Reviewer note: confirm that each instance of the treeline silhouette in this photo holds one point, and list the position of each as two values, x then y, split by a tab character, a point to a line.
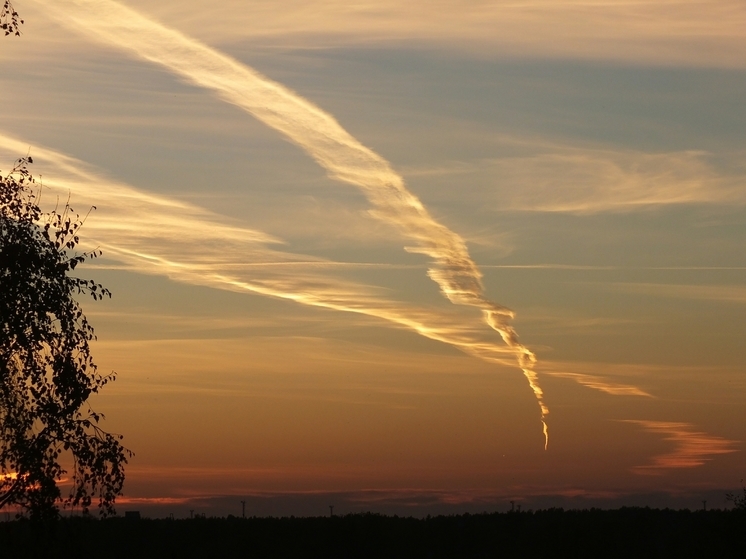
626	532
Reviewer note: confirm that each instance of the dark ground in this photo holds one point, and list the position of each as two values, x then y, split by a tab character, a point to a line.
627	532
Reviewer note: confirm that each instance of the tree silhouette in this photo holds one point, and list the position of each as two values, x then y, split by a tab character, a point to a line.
9	19
738	499
46	369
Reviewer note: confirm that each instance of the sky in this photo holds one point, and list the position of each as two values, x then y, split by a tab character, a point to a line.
403	257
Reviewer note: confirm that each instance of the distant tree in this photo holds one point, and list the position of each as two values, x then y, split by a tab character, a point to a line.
738	499
46	370
10	21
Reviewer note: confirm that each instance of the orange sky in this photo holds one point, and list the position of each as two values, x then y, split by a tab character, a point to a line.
314	220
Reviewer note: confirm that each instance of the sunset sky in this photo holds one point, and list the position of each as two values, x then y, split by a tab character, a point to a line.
407	257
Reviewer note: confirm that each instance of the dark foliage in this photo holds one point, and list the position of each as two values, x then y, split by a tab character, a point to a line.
46	370
10	21
627	532
738	499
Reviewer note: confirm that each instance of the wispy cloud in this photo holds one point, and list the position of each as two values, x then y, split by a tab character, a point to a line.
167	322
153	500
606	268
720	293
567	322
539	174
691	448
600	383
682	32
553	178
191	245
320	136
618	379
669	382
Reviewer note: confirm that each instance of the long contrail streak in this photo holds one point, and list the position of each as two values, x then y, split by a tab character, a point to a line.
153	234
319	134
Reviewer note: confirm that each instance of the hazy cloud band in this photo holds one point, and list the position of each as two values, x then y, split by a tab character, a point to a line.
692	448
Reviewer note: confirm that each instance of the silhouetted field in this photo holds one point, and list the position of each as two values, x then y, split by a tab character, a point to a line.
627	532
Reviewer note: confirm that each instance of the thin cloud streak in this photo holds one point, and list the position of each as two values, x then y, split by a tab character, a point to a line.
692	448
586	181
606	268
318	134
721	293
191	245
534	174
678	32
599	383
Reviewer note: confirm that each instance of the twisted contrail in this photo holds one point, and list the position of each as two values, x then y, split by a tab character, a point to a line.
153	234
320	135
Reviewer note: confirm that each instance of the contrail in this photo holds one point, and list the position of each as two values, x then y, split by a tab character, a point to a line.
154	234
599	383
319	134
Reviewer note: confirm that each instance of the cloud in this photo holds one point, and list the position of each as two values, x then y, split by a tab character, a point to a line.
718	293
566	322
599	383
182	323
153	500
585	267
678	32
691	448
601	376
152	234
321	137
655	32
548	177
536	174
